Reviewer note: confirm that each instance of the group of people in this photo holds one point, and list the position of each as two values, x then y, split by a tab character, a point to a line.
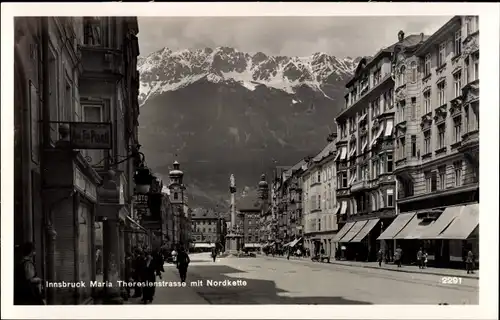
143	265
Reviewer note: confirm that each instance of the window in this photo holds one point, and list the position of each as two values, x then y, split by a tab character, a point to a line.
319	224
441	54
389	163
471	24
53	103
319	176
442	178
319	202
377	76
402	78
176	196
413	108
427	65
433	181
64	113
413	146
427	141
403	148
413	67
441	136
376	107
402	113
457	84
427	101
457	126
375	168
458	42
441	93
467	71
475	70
93	113
390	197
457	166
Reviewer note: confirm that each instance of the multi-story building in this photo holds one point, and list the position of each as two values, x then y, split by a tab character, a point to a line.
365	162
248	216
319	200
180	209
292	198
205	229
74	76
158	211
437	147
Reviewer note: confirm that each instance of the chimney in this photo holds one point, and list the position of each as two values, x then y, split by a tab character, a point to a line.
422	37
401	35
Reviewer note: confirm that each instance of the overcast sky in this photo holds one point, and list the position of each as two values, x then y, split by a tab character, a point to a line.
290	36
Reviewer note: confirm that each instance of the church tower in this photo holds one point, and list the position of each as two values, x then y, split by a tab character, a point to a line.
176	185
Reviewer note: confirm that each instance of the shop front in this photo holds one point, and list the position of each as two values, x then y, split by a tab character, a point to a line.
71	199
446	235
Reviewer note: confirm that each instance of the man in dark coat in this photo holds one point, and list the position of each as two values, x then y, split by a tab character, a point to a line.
183	263
27	286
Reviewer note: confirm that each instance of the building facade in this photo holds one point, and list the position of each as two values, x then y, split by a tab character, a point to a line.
72	75
437	148
248	217
320	204
205	229
365	162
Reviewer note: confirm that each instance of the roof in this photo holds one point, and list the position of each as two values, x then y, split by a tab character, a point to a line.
203	214
408	41
329	149
250	202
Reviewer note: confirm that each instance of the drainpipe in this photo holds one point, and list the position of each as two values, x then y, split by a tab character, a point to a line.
47	212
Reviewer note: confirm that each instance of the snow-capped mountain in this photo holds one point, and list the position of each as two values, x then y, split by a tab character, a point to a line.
221	111
165	70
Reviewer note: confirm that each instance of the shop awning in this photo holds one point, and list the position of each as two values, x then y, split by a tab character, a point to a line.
337	209
356	228
135	224
463	225
420	228
408	229
379	132
364	146
365	230
294	242
363	117
343	153
343	231
343	208
353	150
252	245
388	128
204	245
396	226
444	220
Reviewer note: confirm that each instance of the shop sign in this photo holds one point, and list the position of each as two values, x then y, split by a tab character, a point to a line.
90	135
84	185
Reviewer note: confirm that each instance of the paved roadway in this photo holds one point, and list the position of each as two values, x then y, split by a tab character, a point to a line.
280	281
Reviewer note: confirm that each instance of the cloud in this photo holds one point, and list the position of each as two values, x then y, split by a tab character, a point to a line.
291	36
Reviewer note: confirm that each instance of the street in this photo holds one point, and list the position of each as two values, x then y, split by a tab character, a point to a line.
278	281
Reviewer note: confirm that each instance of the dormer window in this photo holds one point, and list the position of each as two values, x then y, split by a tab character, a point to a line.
176	196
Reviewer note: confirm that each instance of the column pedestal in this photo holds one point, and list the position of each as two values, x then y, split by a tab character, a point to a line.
233	243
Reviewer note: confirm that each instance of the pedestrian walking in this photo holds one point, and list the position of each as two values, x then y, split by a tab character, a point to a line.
214	254
174	256
380	256
183	263
425	259
420	258
470	262
98	261
27	286
149	277
398	254
129	271
139	265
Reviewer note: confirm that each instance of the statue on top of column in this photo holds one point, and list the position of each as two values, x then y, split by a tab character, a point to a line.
232	184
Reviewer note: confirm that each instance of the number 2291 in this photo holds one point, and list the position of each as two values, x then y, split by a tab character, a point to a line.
451	280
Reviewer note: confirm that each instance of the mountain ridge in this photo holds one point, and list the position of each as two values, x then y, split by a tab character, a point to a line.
221	111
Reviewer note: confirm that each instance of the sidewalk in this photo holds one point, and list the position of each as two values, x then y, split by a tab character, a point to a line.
392	267
172	295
